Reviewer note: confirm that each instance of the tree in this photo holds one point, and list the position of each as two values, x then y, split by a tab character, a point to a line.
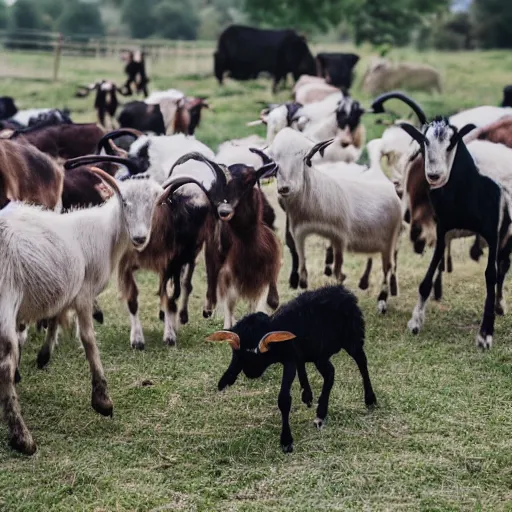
25	14
493	22
3	14
79	18
175	20
138	15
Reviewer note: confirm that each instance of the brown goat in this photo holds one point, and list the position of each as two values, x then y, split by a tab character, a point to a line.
63	141
27	174
499	132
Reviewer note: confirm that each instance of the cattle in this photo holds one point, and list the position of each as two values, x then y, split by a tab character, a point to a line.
507	96
245	52
7	107
337	68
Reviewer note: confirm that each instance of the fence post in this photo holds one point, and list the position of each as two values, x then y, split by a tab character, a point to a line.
56	62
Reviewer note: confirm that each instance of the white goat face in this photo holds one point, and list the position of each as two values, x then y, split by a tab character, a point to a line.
439	153
139	197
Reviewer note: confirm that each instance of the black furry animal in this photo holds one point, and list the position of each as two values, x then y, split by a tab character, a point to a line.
309	329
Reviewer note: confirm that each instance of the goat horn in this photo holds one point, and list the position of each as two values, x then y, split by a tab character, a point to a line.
274	337
266	159
198	157
102	143
111	182
320	147
418	136
231	337
133	168
255	123
173	184
378	104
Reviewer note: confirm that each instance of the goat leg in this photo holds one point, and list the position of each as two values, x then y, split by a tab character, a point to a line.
307	394
284	402
290	243
326	369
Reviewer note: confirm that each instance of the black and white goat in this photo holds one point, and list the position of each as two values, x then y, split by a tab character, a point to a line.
466	195
309	329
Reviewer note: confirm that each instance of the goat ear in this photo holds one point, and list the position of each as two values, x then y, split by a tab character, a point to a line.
320	147
460	134
274	337
221	336
418	136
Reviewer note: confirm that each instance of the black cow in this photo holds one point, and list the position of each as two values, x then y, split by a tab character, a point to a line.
245	52
507	96
7	107
337	68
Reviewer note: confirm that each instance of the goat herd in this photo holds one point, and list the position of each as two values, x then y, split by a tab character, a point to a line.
126	200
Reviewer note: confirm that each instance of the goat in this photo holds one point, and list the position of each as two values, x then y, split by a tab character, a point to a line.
416	198
62	141
311	328
507	96
70	258
357	215
168	246
105	101
136	71
467	193
306	92
242	253
27	174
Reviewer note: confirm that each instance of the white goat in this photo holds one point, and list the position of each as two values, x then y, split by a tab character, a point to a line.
54	263
357	215
237	151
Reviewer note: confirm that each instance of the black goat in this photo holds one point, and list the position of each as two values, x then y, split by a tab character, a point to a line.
135	70
465	197
311	328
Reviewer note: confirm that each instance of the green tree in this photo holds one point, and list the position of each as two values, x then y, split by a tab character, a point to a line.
138	15
175	20
3	14
80	18
25	14
493	23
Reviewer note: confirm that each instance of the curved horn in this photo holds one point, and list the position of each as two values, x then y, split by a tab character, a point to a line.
111	182
274	337
231	337
173	184
418	136
266	159
133	168
198	157
378	104
102	143
320	147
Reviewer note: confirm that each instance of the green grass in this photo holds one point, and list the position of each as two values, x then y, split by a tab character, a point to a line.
440	439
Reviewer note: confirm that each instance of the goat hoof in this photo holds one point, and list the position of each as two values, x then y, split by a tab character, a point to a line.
382	307
170	342
23	444
98	316
138	344
363	284
371	401
161	316
294	280
307	398
184	317
328	271
207	313
102	405
43	358
303	284
499	309
484	341
287	448
319	423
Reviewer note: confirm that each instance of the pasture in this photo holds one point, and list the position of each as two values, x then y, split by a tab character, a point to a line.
439	440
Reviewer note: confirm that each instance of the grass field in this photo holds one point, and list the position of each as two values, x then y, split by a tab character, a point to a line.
439	440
